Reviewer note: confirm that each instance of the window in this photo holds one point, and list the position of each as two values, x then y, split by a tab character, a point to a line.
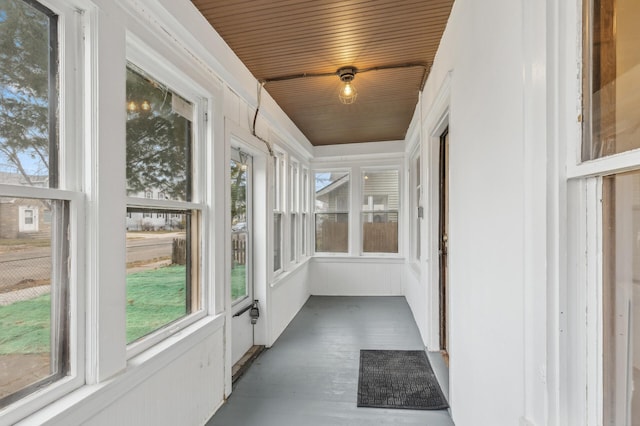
380	211
611	78
332	211
611	74
293	211
164	238
34	282
621	291
304	208
278	229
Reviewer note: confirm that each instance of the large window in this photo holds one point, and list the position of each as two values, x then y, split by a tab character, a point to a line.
163	237
34	222
380	211
304	209
278	211
293	210
611	77
332	211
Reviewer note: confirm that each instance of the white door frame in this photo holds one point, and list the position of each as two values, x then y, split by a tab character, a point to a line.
237	136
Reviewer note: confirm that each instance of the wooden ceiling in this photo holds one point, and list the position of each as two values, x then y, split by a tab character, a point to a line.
276	38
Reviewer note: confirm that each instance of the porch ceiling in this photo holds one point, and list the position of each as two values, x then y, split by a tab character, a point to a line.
276	38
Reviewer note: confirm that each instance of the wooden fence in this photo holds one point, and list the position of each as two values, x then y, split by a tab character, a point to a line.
238	248
332	237
179	251
380	237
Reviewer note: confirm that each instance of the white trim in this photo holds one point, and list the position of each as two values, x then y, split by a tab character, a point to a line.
612	164
262	238
436	121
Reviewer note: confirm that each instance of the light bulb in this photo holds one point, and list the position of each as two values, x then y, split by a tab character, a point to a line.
348	93
131	106
146	106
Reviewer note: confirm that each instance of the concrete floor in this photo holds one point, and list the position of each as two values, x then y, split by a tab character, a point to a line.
310	375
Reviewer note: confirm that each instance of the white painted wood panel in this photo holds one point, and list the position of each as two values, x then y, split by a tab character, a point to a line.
356	276
288	295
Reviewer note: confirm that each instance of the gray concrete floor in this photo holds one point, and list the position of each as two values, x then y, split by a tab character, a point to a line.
310	375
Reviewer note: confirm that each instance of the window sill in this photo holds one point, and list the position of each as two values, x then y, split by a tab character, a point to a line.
139	368
358	259
285	275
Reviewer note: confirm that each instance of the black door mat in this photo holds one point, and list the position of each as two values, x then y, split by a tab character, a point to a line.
398	379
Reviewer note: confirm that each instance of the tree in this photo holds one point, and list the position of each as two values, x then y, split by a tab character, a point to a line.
25	50
238	190
158	139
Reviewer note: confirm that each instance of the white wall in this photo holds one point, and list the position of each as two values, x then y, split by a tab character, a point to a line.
482	55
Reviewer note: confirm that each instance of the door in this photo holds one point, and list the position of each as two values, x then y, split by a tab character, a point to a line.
241	280
443	242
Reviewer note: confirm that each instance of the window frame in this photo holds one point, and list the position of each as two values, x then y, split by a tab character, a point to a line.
304	213
293	195
279	209
584	290
143	59
68	158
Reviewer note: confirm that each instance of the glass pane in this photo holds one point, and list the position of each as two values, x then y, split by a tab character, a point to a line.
239	231
303	235
293	234
158	139
277	241
612	79
621	299
33	299
380	232
332	232
28	94
159	264
332	191
380	190
293	189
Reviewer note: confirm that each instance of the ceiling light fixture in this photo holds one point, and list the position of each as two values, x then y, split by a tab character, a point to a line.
348	92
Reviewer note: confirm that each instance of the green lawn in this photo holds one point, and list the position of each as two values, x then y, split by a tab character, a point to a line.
238	288
24	326
154	299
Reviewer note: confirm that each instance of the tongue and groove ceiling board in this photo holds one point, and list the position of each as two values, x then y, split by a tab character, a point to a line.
277	38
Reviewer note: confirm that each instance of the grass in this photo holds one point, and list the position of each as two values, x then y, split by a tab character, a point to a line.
24	326
238	281
154	299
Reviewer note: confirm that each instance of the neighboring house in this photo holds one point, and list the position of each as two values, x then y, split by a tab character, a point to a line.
22	217
152	220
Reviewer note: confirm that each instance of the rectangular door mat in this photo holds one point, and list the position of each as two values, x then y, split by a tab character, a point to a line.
398	379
